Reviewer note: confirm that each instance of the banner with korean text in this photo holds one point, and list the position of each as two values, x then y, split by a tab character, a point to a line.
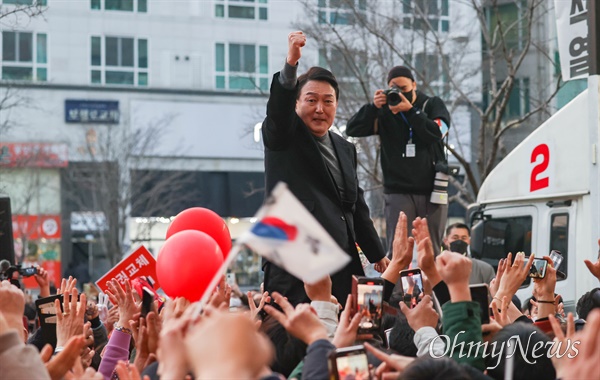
139	263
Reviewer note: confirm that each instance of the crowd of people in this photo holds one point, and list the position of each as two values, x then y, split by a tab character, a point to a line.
269	338
294	330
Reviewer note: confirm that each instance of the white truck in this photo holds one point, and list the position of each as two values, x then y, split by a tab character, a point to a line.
545	195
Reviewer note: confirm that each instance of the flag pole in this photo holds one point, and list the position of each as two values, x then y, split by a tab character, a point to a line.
201	304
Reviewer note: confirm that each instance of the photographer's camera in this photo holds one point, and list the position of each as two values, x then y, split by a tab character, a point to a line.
393	96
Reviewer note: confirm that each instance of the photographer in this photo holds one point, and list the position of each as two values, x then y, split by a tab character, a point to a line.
411	126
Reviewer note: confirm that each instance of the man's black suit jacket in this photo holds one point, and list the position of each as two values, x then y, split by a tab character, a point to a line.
293	156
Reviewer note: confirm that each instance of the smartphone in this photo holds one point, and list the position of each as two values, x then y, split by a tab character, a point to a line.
538	268
412	286
349	363
147	301
480	293
230	279
557	258
367	293
28	271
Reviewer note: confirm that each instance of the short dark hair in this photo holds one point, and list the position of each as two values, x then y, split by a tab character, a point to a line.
587	303
458	225
426	367
540	367
316	73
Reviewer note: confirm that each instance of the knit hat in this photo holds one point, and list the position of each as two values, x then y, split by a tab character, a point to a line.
399	71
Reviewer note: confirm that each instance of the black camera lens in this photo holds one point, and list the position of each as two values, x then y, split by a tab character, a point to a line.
393	96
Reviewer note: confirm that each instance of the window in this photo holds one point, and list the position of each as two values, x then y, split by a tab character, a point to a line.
419	13
559	238
26	2
504	235
241	67
431	68
512	17
120	5
119	60
348	67
24	56
518	102
243	9
341	12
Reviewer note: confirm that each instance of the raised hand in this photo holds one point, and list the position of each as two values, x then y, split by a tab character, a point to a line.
41	277
346	332
296	41
514	275
320	290
66	285
69	323
425	255
264	299
12	303
421	315
124	300
455	270
301	321
402	250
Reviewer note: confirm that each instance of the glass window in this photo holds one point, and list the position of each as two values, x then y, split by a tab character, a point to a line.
241	9
96	4
219	10
559	238
96	51
96	76
125	61
241	66
142	53
220	57
340	12
142	6
426	15
264	60
118	5
127	52
119	77
24	56
9	46
41	48
504	235
42	74
17	73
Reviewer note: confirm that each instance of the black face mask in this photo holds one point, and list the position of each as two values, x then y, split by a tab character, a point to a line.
459	246
408	96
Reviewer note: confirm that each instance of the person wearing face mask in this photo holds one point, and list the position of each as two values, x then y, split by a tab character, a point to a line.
458	239
410	134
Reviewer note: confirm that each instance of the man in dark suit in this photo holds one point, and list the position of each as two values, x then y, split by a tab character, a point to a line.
319	168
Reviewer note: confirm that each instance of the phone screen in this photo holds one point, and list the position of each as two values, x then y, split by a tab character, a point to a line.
352	365
412	286
480	294
370	305
538	268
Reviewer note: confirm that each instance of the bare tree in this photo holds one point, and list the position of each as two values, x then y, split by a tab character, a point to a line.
361	40
117	178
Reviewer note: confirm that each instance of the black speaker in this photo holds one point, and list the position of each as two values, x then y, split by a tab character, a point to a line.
7	246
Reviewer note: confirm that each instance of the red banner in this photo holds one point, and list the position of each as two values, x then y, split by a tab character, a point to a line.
39	155
34	227
139	263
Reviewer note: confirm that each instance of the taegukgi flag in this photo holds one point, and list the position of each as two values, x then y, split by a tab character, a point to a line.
289	236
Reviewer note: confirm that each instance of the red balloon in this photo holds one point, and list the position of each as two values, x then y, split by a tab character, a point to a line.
186	263
205	220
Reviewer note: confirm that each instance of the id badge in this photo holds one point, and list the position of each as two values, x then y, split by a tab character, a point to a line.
410	150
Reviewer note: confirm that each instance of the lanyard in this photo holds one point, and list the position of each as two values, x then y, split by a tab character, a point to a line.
410	131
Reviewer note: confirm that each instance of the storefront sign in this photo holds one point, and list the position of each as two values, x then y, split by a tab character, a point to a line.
39	155
34	227
92	111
